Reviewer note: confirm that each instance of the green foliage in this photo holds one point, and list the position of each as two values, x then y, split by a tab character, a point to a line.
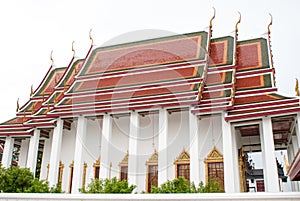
211	187
181	185
20	180
108	186
178	185
56	189
15	180
38	186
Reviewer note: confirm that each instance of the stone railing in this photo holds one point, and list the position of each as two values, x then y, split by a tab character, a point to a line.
291	196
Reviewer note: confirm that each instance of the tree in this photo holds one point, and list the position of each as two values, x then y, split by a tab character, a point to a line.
15	179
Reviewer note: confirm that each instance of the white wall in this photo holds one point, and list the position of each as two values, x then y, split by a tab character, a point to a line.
91	151
178	138
210	135
46	157
67	154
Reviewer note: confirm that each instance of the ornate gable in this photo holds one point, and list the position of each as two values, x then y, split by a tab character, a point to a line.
214	156
184	157
124	161
153	160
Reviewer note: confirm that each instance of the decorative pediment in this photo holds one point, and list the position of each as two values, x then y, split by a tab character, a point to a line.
214	156
97	163
124	161
153	160
184	157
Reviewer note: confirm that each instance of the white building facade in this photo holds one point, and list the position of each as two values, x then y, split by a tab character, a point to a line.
150	111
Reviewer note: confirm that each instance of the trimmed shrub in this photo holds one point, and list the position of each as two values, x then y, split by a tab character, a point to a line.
108	186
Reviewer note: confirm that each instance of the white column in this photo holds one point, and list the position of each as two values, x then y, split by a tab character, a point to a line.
298	130
46	157
162	146
33	151
268	155
7	152
235	158
133	149
78	155
55	153
194	148
229	180
23	153
105	144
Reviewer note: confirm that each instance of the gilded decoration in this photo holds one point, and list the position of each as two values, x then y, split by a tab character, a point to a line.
123	163
182	159
71	166
152	177
96	166
213	157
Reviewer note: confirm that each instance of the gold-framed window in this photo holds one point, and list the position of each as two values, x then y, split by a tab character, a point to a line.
84	175
152	171
71	166
96	166
60	171
214	167
124	168
182	165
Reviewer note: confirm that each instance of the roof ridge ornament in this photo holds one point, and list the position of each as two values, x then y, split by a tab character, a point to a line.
297	88
211	20
73	50
237	23
270	50
51	58
31	90
18	106
271	23
91	37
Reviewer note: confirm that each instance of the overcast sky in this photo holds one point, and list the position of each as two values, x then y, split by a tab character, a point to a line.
30	29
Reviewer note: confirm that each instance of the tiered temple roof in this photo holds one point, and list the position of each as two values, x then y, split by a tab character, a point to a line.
212	75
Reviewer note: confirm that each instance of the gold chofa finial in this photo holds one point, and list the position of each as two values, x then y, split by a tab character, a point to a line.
51	57
297	88
238	22
213	17
31	90
271	22
91	38
73	50
18	106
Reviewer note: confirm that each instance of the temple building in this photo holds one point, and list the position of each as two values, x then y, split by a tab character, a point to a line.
149	111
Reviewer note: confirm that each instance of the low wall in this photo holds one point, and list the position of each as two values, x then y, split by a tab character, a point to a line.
147	197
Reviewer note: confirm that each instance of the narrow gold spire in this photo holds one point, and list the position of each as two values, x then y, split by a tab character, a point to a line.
271	22
73	50
297	88
211	20
31	90
51	58
91	38
238	22
18	106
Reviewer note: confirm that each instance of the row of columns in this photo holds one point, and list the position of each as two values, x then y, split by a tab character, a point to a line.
231	172
27	157
293	148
